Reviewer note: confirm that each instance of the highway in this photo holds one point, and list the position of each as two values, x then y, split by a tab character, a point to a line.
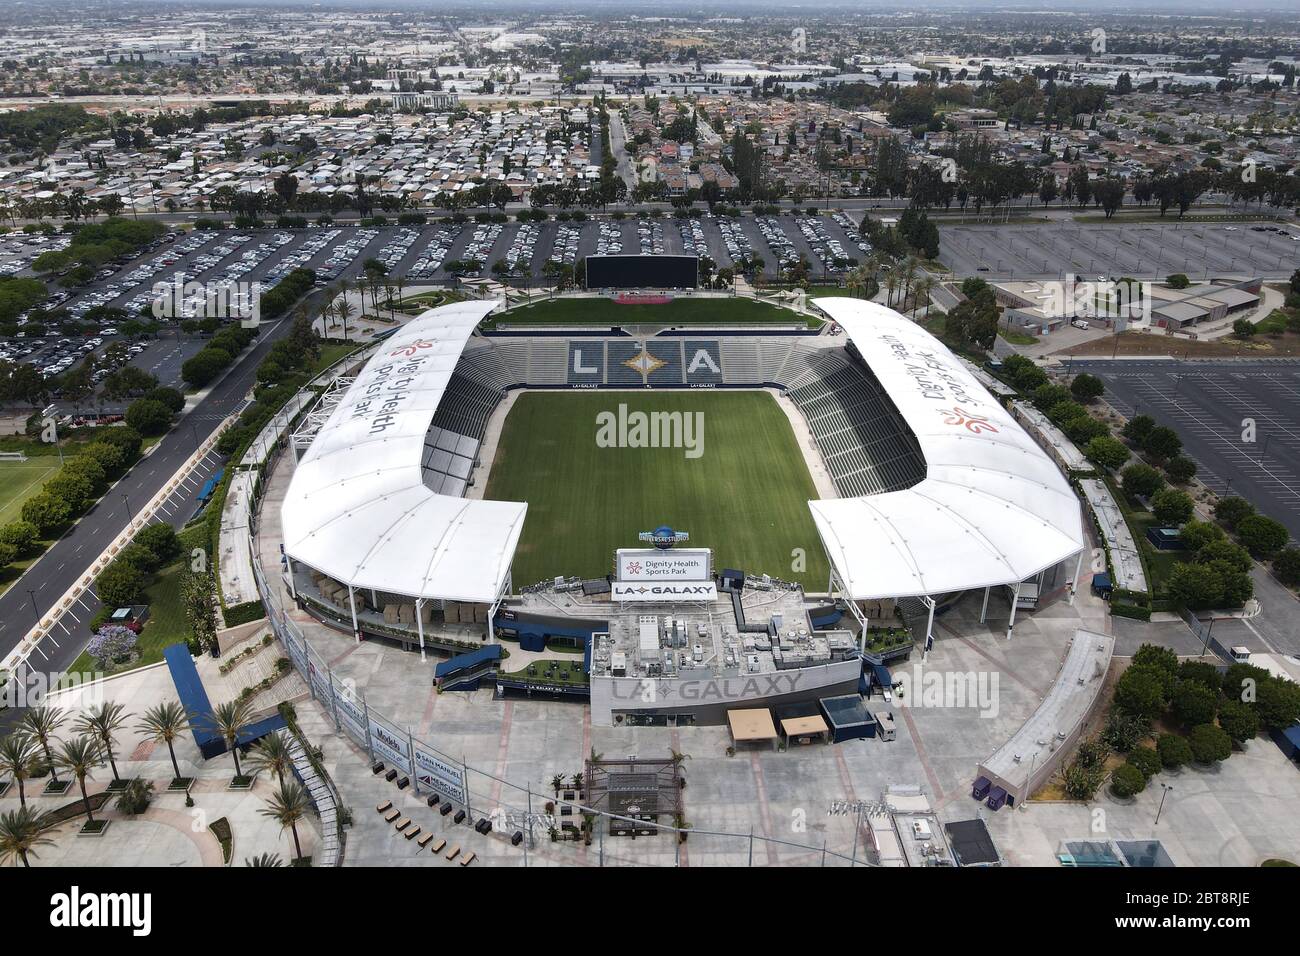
67	560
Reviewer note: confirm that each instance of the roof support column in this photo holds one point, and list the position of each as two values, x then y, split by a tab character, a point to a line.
1078	570
419	624
984	610
293	587
929	627
1015	603
352	603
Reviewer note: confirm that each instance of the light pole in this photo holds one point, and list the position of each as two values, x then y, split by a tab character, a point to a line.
54	423
130	515
1165	788
31	593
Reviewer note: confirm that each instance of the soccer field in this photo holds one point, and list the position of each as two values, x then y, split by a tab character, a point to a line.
745	496
19	480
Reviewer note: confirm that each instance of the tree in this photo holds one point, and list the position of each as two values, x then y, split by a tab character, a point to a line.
120	584
1161	659
1162	443
21	832
1140	692
19	535
112	644
1278	702
1194	703
161	539
1243	329
1141	480
1086	387
1146	760
1262	536
165	722
287	806
148	416
229	720
1195	586
1209	744
1239	721
271	753
1127	781
80	756
1174	751
18	761
1180	469
264	859
1232	511
41	722
1286	565
46	512
1138	428
1171	507
1106	451
102	723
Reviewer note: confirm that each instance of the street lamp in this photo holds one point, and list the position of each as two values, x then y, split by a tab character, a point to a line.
130	515
1165	788
31	593
54	423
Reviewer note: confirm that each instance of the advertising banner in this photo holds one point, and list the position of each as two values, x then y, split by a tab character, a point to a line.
653	564
663	591
389	746
437	774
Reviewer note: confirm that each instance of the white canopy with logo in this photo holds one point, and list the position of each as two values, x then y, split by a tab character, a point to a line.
357	508
993	507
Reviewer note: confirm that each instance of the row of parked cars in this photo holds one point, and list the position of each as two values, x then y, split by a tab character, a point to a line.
18	251
519	257
565	248
781	245
824	246
609	240
435	252
737	243
345	253
650	233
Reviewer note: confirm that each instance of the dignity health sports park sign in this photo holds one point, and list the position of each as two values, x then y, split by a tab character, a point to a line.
651	564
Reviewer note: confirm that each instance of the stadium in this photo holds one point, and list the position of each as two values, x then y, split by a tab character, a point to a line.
710	518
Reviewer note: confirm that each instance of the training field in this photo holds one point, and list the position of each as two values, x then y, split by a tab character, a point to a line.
746	495
19	480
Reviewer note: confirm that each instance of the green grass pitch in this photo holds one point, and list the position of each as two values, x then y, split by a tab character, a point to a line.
746	496
20	480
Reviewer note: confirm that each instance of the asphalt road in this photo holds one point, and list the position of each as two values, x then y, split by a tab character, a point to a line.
1239	420
67	560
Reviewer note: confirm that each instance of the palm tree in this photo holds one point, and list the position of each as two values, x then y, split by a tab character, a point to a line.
271	753
18	760
230	720
102	723
924	286
20	835
41	722
165	722
264	859
343	309
288	805
80	756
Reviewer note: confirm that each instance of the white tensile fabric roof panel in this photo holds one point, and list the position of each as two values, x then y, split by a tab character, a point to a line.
992	509
357	508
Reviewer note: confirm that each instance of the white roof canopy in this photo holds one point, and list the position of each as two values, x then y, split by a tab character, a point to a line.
357	508
992	509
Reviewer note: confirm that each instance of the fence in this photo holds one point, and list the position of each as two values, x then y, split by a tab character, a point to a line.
509	806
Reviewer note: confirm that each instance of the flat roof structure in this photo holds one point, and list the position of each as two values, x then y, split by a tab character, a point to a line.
751	724
993	507
803	726
1031	753
358	508
1124	557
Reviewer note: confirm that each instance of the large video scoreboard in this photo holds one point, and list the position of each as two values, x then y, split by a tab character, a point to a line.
643	272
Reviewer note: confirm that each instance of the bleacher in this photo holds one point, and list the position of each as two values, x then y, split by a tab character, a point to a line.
863	440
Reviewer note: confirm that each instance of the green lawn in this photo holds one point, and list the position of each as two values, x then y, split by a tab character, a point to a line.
746	496
19	480
166	625
737	310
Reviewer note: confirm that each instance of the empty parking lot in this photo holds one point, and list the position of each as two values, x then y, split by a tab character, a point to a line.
1239	421
1141	250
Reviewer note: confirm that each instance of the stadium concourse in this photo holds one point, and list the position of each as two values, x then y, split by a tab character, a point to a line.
941	491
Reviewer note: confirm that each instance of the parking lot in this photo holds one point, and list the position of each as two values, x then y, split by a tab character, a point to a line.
1211	405
1141	250
530	252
